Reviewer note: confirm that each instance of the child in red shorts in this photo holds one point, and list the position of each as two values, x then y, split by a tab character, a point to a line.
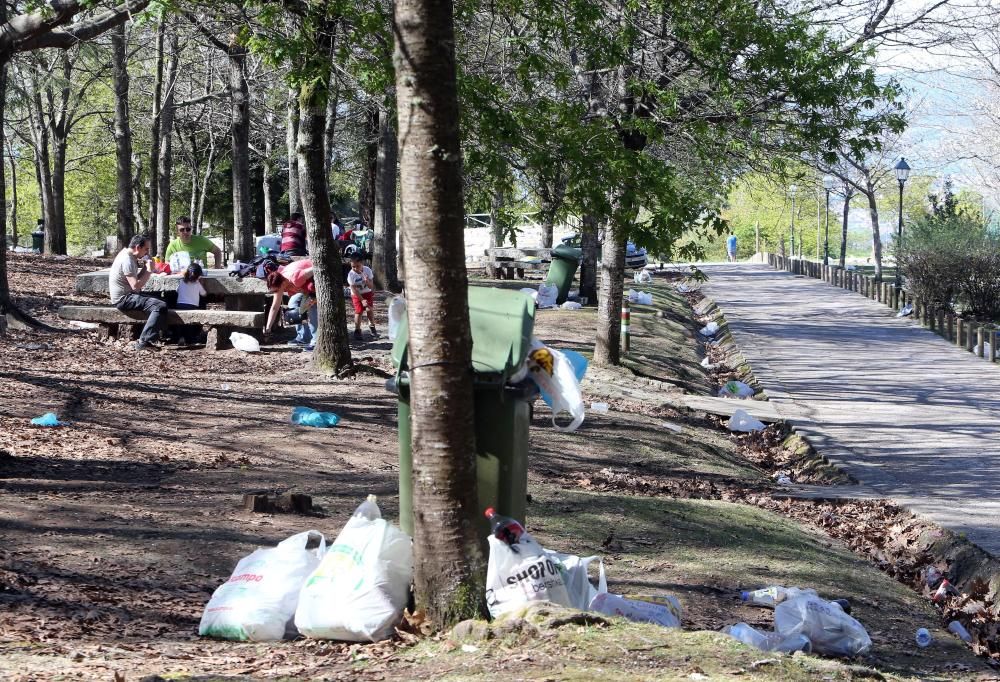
361	280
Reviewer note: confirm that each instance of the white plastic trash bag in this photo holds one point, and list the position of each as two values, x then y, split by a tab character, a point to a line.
768	641
555	376
258	601
735	389
742	421
571	305
905	311
831	631
397	313
359	591
547	295
642	277
244	342
575	576
640	297
520	574
666	613
530	292
710	329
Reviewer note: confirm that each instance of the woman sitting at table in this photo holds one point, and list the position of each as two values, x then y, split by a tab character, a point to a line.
294	278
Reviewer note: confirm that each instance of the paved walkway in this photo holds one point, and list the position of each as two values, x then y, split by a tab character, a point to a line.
908	414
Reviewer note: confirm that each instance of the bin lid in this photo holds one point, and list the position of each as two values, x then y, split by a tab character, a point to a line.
502	322
567	252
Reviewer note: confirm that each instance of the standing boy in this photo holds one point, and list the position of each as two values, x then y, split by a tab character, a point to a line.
361	280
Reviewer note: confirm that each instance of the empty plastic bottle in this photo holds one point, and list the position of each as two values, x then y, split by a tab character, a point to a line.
774	595
923	638
957	629
768	641
306	416
504	528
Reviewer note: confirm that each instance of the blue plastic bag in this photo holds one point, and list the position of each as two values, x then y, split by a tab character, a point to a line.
47	419
305	416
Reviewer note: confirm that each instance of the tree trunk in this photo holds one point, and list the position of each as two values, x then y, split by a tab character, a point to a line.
267	176
497	227
448	562
123	139
607	350
330	126
165	159
384	246
872	196
551	202
848	193
137	196
55	232
13	194
588	268
332	353
154	133
239	93
291	135
366	190
43	169
4	287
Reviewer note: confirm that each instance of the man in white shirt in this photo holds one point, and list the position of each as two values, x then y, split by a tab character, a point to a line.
129	274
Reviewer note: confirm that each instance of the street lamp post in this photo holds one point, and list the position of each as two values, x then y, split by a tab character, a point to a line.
902	173
792	189
827	185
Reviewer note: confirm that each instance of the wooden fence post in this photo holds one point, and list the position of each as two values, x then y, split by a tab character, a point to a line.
951	327
960	328
970	336
993	345
980	340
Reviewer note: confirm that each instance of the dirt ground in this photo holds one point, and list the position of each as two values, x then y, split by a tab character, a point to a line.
117	527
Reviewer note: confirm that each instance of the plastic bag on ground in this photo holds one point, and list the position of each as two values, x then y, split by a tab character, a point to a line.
47	419
905	311
258	601
547	295
735	389
768	641
520	574
306	416
559	380
831	631
571	305
574	569
743	422
244	342
665	614
397	313
642	277
774	595
640	297
359	591
708	364
710	329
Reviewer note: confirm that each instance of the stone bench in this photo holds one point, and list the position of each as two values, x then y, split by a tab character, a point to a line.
128	324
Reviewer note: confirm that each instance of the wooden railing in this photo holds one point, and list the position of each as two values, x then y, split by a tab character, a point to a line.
974	337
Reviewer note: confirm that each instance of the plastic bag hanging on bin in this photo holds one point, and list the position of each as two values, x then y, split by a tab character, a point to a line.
397	313
558	375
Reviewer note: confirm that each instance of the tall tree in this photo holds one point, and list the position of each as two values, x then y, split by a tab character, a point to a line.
164	161
448	562
123	138
384	225
291	138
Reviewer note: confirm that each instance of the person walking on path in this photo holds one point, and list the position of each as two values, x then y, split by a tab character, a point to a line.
196	246
129	274
731	248
361	280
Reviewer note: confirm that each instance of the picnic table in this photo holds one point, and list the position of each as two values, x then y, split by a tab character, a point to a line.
235	294
509	262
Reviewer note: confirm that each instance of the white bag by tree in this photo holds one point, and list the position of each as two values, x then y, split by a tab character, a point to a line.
258	601
360	589
574	569
520	574
554	374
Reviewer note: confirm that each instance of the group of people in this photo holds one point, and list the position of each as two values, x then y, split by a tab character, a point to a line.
132	268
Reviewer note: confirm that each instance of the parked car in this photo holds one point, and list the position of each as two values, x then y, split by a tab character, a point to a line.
635	257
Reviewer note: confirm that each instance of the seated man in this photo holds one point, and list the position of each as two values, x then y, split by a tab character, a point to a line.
128	276
197	246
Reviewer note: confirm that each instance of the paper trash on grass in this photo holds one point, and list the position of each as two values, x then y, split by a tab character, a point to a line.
742	421
665	611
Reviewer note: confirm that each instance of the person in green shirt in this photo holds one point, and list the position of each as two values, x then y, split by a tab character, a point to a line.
197	246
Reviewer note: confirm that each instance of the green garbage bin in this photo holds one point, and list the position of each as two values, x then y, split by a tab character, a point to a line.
38	241
565	260
502	323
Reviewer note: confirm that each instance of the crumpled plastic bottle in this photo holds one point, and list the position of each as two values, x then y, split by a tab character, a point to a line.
306	416
769	641
774	595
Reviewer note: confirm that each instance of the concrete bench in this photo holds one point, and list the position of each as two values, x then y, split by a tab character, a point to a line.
128	324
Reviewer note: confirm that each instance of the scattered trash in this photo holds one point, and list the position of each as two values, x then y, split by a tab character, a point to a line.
944	590
774	595
37	346
686	288
571	305
932	576
708	364
225	387
957	629
258	601
783	480
599	407
359	590
735	389
676	428
306	416
48	419
530	292
642	277
640	297
503	527
547	295
831	631
83	325
666	614
768	641
923	638
521	573
710	329
244	342
743	422
907	310
397	313
558	374
469	649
